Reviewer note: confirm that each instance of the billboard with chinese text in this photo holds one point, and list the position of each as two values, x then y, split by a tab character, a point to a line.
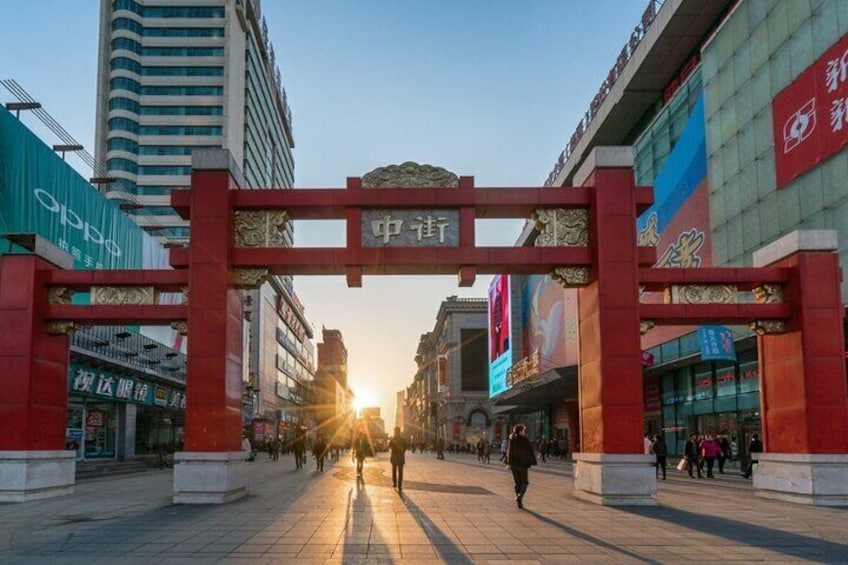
678	223
500	357
810	116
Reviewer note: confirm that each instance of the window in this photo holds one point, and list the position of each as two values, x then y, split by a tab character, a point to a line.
128	25
124	104
122	63
127	44
123	124
122	144
122	165
164	170
180	130
123	83
182	71
171	149
182	91
181	51
183	31
181	110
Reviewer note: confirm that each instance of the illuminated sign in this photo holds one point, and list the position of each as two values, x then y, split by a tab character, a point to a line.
500	358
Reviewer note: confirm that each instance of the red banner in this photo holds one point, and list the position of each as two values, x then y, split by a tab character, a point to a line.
456	430
811	115
652	393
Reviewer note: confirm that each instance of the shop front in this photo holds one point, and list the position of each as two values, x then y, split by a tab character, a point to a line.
115	415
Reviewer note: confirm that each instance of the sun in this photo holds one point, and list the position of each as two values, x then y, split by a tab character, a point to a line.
363	398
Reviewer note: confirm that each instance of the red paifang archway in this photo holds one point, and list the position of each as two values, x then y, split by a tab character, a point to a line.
587	240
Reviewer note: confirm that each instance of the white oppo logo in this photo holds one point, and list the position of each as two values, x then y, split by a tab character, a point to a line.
71	219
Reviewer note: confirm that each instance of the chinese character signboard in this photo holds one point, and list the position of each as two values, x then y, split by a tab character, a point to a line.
410	228
86	381
716	343
811	115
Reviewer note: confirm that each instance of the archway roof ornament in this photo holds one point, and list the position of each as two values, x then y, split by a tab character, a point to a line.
410	175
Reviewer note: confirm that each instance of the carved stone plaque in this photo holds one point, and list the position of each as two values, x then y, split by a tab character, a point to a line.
410	228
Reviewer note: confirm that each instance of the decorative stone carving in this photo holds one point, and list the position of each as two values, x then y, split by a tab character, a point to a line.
259	228
768	294
571	276
180	326
562	227
764	327
124	295
701	294
184	290
645	326
249	278
410	175
62	327
59	295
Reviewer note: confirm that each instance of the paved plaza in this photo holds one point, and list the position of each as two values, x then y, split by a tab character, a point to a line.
453	511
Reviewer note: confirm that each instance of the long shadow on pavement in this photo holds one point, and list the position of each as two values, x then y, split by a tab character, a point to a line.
787	543
447	550
589	538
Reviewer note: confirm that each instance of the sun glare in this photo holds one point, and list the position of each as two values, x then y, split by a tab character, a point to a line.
363	398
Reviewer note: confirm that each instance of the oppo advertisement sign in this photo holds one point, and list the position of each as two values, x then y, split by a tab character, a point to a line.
500	345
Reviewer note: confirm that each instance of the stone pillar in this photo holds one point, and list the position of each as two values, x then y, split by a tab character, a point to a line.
804	396
33	389
611	467
127	413
211	469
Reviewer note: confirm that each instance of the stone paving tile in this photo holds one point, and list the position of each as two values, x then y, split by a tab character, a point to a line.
300	518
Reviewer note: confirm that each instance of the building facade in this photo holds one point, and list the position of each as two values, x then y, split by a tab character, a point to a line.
126	387
174	78
333	399
203	74
739	125
448	398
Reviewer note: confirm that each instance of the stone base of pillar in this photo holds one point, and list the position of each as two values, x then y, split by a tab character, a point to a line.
32	475
209	478
819	480
615	479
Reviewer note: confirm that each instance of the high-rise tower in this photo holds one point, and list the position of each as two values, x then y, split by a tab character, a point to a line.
172	78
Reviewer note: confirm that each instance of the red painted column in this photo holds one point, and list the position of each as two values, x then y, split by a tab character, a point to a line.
215	321
803	385
34	374
610	363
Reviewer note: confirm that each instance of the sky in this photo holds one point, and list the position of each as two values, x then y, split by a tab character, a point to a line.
489	88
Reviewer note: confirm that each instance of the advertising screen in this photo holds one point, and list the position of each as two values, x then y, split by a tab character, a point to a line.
549	314
500	357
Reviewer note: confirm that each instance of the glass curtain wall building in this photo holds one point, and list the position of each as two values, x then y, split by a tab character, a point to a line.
175	77
172	79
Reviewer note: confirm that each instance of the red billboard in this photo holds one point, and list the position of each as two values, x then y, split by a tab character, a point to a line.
811	115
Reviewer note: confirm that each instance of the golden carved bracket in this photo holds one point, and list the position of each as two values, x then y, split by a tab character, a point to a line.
61	327
249	278
259	228
766	327
180	326
59	295
124	295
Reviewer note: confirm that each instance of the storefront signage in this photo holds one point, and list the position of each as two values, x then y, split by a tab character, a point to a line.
526	368
410	228
288	315
86	381
716	343
811	115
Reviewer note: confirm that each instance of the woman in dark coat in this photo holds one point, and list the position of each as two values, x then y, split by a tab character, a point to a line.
397	446
520	457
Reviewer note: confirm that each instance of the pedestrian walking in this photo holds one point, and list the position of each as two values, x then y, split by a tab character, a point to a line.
725	454
299	448
692	453
646	443
397	447
710	449
754	450
319	451
520	457
360	449
504	443
247	448
660	449
440	448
